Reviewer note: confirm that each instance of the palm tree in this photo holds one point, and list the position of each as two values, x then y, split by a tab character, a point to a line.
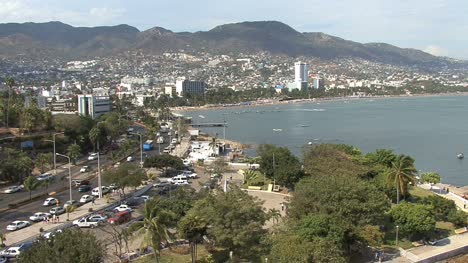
28	120
401	173
94	135
73	151
43	160
31	184
10	83
274	214
154	226
192	228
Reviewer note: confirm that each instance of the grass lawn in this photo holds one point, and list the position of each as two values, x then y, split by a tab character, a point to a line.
419	192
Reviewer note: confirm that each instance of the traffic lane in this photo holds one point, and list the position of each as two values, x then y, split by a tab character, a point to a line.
55	184
25	211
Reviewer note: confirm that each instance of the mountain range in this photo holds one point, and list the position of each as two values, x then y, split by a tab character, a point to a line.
64	41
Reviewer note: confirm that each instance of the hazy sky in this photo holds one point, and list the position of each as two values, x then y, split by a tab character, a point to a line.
436	26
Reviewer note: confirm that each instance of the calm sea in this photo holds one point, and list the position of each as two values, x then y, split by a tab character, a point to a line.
433	130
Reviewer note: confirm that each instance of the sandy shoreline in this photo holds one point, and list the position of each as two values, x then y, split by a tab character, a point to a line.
272	102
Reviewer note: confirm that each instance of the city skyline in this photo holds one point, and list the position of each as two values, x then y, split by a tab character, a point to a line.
435	26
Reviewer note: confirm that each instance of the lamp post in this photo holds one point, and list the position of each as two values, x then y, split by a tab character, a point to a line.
141	148
99	163
55	159
396	239
69	173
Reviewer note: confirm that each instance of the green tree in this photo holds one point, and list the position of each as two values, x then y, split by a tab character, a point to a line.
43	161
31	184
219	166
14	165
192	228
236	221
28	119
441	207
164	162
401	174
179	202
74	151
414	220
95	134
153	228
126	175
432	178
382	157
279	164
73	246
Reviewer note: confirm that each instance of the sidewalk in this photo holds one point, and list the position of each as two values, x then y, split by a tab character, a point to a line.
461	203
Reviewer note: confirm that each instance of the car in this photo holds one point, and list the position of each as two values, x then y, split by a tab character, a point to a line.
50	201
95	191
79	183
45	176
84	222
48	235
84	188
161	184
15	225
92	157
145	197
189	174
39	216
187	162
120	217
174	141
70	203
86	199
3	259
121	208
113	187
14	252
130	159
97	218
12	189
181	182
57	210
84	169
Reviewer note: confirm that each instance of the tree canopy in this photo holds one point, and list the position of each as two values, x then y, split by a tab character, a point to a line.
164	161
414	220
126	175
287	168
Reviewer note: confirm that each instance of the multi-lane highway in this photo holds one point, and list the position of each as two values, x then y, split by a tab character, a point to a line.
23	212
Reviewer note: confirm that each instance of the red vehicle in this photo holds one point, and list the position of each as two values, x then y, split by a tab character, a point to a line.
120	217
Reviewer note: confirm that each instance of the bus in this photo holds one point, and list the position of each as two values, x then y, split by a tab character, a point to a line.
148	145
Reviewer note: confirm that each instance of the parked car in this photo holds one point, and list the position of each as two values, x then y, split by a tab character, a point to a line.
84	169
57	210
39	216
130	159
14	252
86	199
84	222
84	188
189	174
121	208
95	191
70	202
97	218
120	217
50	201
45	176
181	182
12	189
92	157
161	184
48	235
113	187
15	225
79	183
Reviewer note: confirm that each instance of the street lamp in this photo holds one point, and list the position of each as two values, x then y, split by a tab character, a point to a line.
99	162
141	147
396	243
69	172
55	159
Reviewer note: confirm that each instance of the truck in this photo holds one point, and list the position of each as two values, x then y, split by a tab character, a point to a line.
148	145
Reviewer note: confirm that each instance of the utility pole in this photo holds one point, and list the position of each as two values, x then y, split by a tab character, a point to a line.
274	171
99	163
69	173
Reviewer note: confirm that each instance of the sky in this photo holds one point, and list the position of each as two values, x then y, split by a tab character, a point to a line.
439	27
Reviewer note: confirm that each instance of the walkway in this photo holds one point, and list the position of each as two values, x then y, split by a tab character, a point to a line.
438	190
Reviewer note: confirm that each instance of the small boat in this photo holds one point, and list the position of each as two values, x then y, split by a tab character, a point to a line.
310	143
304	125
460	156
201	116
277	130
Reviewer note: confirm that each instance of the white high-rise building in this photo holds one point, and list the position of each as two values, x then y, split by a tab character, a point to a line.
93	106
301	72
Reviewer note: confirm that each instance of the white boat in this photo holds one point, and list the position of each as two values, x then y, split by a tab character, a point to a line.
277	130
304	125
460	156
201	116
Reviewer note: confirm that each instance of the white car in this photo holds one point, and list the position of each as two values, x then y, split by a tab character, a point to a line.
177	177
97	218
86	199
121	208
45	176
39	216
95	191
189	174
13	252
50	201
84	169
181	182
130	159
92	157
15	225
48	235
84	222
57	210
12	189
174	141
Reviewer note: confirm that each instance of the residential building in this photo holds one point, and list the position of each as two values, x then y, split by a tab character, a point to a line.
184	86
93	106
318	82
63	106
170	89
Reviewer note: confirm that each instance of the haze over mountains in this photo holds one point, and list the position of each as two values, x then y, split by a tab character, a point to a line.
68	42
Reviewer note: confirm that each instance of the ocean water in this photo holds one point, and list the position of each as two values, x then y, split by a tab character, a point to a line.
433	130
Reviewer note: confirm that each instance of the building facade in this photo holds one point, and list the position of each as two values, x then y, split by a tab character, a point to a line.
318	83
301	75
63	106
93	106
184	86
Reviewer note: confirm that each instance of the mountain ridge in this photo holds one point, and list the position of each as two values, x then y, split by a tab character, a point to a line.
274	37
